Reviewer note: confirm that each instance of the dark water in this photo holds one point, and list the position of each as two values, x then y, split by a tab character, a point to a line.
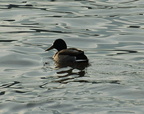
111	33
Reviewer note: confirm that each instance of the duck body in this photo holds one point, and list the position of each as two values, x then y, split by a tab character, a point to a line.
67	55
70	55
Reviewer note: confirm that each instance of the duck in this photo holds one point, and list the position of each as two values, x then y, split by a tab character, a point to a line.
67	55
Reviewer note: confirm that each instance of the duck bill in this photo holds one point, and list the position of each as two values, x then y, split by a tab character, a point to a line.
50	48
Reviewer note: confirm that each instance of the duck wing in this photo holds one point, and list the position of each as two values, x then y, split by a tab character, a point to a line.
78	54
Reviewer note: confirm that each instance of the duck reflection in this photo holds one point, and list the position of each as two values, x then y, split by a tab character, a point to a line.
68	72
72	72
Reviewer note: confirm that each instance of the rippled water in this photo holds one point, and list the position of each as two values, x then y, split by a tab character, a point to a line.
111	33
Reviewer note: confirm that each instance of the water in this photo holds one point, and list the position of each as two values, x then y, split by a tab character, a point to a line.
109	31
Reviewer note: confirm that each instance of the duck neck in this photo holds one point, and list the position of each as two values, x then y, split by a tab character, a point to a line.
61	48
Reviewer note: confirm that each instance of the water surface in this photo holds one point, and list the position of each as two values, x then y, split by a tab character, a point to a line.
109	31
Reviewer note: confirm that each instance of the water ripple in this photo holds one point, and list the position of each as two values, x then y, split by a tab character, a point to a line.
109	31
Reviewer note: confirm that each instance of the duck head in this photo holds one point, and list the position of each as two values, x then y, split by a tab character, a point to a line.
58	44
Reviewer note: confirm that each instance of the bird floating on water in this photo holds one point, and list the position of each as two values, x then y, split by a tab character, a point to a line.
66	55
